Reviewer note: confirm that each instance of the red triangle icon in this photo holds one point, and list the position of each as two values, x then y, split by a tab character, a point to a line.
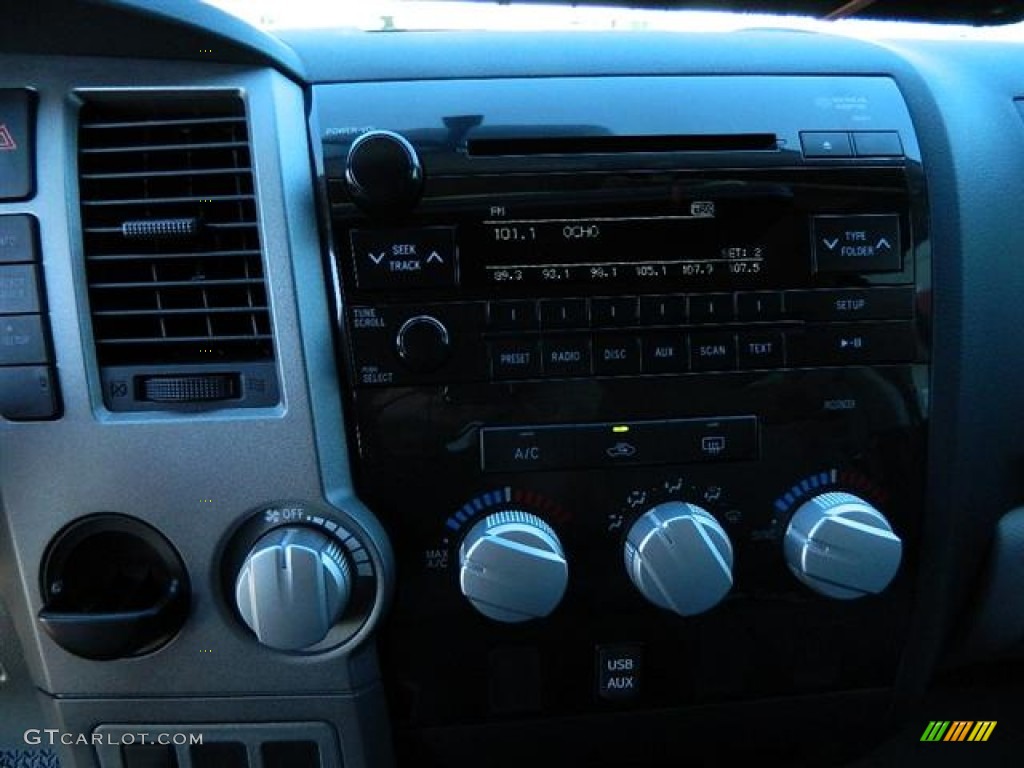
6	140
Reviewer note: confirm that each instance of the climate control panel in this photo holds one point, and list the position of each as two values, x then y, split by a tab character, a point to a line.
755	540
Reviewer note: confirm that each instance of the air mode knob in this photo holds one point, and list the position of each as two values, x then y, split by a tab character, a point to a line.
680	558
292	588
383	173
841	546
512	567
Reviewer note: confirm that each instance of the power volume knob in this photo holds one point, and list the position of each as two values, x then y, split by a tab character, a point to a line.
423	344
383	173
842	547
292	588
680	558
512	567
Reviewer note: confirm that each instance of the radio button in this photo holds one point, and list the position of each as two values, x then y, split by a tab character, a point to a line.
852	304
663	310
712	352
564	313
758	307
712	308
404	258
567	356
613	312
861	243
761	350
663	353
855	344
512	315
515	359
616	355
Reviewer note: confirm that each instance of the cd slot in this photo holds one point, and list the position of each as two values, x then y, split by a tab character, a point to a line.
598	145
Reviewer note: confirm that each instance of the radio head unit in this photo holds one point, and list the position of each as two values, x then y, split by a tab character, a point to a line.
627	363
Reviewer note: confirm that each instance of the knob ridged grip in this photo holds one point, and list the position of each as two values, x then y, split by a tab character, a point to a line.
293	586
842	547
680	558
512	567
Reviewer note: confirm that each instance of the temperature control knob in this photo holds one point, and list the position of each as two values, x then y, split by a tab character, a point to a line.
512	567
423	343
680	558
293	586
841	546
383	173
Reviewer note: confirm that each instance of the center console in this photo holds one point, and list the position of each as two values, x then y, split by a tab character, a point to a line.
636	380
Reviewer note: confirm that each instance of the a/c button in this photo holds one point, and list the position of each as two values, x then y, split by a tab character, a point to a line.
515	449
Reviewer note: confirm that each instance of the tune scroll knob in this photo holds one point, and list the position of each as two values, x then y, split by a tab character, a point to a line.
423	343
383	173
512	567
293	587
680	558
841	546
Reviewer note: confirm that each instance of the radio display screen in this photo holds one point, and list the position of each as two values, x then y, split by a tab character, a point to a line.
636	229
701	242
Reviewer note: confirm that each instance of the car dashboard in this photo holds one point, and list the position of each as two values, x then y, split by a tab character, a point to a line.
502	398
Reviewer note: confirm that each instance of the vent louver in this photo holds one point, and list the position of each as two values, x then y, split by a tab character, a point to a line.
171	242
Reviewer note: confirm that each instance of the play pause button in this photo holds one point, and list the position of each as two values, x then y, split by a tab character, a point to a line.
854	344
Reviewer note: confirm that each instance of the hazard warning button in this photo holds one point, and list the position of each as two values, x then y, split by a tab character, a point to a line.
17	162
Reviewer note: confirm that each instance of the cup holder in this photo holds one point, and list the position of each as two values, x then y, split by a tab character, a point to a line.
113	587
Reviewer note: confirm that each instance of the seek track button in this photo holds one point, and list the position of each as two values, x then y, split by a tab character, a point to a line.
404	258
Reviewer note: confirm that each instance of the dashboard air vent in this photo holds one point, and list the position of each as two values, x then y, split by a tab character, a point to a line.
172	247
